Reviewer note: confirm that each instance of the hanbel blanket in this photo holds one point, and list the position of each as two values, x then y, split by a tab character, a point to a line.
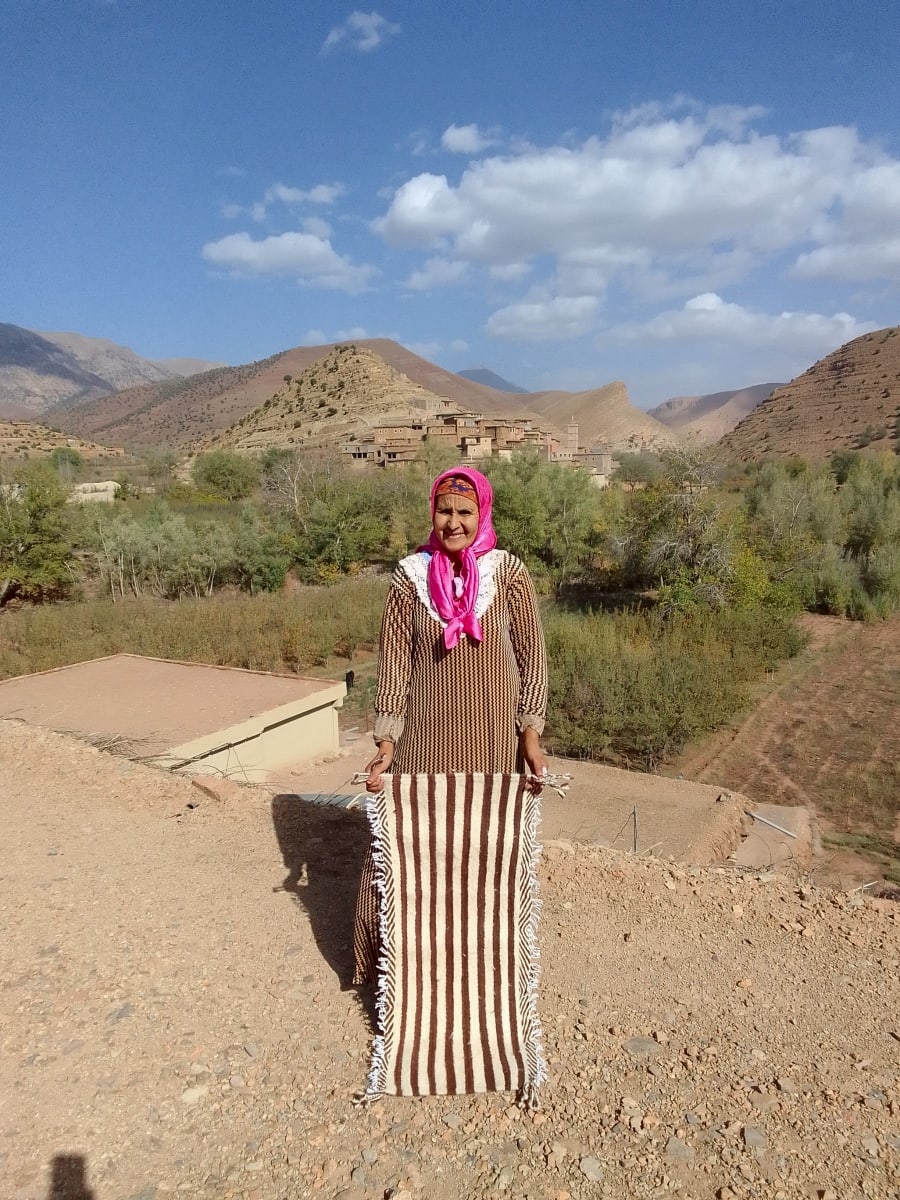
456	858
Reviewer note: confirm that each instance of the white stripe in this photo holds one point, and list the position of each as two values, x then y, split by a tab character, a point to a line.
460	1031
488	922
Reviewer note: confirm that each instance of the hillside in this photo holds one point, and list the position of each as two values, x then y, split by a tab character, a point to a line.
337	399
40	371
706	419
188	413
848	400
604	417
25	439
709	1033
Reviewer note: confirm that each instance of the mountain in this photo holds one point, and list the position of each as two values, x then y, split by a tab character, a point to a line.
848	400
491	379
604	417
705	419
189	412
39	371
338	399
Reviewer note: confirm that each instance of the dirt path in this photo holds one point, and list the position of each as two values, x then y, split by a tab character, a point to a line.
172	1021
827	736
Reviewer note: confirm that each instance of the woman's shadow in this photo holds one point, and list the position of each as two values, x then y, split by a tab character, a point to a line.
323	849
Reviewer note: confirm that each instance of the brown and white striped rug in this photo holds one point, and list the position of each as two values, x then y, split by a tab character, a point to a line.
456	858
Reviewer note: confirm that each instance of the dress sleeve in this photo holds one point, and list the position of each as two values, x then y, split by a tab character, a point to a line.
395	660
528	646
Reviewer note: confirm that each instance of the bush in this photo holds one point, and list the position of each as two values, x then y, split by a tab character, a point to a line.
635	687
226	474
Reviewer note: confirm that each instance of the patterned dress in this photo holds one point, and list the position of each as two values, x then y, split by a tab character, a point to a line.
453	710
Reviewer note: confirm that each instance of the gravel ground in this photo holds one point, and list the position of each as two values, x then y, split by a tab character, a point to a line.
172	1019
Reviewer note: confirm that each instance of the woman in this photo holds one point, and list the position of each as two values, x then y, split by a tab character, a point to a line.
462	680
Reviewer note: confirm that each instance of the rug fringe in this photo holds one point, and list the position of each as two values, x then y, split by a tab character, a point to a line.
538	1067
375	1083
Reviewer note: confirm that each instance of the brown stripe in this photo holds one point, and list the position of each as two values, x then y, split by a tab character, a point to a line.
501	998
436	999
466	966
403	950
449	939
486	1055
515	933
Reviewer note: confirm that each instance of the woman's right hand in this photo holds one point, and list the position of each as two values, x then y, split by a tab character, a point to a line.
379	764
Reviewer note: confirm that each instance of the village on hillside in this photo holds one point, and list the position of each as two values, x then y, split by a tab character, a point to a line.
475	437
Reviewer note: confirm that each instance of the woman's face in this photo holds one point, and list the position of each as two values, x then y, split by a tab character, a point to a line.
455	522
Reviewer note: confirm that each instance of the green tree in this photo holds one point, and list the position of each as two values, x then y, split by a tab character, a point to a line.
639	467
35	548
226	474
66	461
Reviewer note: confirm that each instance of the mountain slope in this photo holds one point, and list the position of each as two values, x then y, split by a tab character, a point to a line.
189	412
707	418
604	417
35	373
848	400
40	371
338	399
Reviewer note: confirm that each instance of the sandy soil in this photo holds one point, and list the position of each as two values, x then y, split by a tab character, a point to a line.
172	1019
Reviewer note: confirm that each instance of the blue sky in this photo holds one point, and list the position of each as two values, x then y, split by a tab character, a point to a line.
687	196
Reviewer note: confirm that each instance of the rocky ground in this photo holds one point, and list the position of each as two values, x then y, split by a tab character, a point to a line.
172	1021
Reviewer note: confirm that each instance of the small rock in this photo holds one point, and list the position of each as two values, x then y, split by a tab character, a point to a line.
642	1046
194	1095
679	1151
251	1049
452	1120
754	1138
870	1145
784	1083
591	1169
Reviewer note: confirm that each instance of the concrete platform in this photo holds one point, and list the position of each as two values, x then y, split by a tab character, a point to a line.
676	819
188	716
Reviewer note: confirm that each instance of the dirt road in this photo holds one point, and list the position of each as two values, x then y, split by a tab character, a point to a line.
172	1021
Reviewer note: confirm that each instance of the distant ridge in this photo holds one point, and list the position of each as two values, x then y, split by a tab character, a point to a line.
188	413
706	419
490	379
40	371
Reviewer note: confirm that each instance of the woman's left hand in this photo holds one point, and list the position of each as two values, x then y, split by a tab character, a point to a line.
535	759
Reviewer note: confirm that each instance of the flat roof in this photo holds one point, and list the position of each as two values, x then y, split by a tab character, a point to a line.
152	701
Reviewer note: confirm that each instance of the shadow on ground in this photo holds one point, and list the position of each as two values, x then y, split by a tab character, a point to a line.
323	849
68	1180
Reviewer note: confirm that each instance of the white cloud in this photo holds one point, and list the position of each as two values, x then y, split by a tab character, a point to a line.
291	197
311	259
710	319
555	319
322	193
465	139
437	272
459	345
361	31
675	199
509	272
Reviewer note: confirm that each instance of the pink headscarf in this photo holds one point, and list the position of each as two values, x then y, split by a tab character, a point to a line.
458	611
